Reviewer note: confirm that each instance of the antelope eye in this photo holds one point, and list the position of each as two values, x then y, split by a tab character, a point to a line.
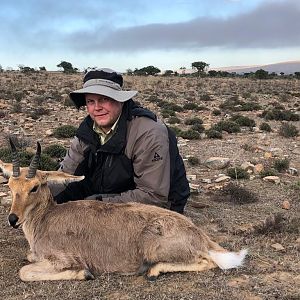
34	189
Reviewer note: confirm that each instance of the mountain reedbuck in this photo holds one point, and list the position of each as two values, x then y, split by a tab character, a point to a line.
79	239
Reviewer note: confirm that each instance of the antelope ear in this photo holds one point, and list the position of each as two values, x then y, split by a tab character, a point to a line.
6	168
59	177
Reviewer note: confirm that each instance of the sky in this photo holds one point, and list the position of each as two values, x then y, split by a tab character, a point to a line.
129	34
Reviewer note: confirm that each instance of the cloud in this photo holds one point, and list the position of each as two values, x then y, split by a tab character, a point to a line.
273	24
268	26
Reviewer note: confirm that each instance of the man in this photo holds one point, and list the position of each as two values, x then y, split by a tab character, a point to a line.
125	153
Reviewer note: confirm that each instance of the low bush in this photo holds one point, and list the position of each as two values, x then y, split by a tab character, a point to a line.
198	127
174	120
265	127
288	130
213	134
166	113
56	151
238	173
190	134
236	194
228	126
243	121
193	121
65	131
193	161
281	165
190	106
268	172
216	112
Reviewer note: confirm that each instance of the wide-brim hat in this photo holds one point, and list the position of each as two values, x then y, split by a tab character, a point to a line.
104	82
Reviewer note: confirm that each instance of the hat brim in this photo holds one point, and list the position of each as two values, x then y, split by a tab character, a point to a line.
78	96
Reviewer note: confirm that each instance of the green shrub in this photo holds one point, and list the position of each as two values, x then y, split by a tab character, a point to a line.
238	173
190	106
16	108
68	102
46	162
193	161
228	126
213	134
236	194
216	112
205	97
193	121
55	150
36	113
190	134
166	113
198	127
280	115
174	120
268	172
243	121
288	130
265	127
176	130
281	165
65	131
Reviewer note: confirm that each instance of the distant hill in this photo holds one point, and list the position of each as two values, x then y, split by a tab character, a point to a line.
288	67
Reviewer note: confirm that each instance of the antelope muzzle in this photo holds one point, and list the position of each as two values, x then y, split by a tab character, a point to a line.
13	220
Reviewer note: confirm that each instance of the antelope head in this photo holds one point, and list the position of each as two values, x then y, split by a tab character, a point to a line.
29	185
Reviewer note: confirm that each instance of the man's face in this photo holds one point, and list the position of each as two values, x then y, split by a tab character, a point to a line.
103	110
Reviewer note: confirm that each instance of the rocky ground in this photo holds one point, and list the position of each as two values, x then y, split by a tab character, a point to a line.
255	213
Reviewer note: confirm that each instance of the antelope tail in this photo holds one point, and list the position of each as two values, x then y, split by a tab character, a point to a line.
228	260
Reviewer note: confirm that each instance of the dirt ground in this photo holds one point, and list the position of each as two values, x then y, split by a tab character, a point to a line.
264	227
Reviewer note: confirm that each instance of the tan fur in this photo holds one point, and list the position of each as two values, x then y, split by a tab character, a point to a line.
68	241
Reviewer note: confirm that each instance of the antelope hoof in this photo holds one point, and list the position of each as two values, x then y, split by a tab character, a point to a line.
88	275
151	278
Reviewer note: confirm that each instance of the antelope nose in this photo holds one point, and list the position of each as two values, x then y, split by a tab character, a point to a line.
13	219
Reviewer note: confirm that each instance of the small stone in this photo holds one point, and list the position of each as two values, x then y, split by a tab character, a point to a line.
217	163
49	132
206	180
258	168
6	201
273	179
222	179
268	154
3	179
293	171
286	205
277	247
191	177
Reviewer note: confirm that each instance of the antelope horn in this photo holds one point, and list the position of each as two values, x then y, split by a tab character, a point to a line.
34	162
15	159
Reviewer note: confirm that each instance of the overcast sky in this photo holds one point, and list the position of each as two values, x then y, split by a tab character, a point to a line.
168	34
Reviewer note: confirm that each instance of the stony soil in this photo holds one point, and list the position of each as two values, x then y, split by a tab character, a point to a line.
268	227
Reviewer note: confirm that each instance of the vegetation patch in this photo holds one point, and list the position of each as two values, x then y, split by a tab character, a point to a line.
65	131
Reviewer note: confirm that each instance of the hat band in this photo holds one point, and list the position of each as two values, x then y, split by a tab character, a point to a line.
103	82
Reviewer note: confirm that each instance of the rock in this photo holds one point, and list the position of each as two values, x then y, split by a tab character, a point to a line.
206	180
293	171
286	205
49	132
247	166
273	179
3	180
277	247
217	163
268	155
6	201
258	168
276	152
191	177
223	178
195	188
2	194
